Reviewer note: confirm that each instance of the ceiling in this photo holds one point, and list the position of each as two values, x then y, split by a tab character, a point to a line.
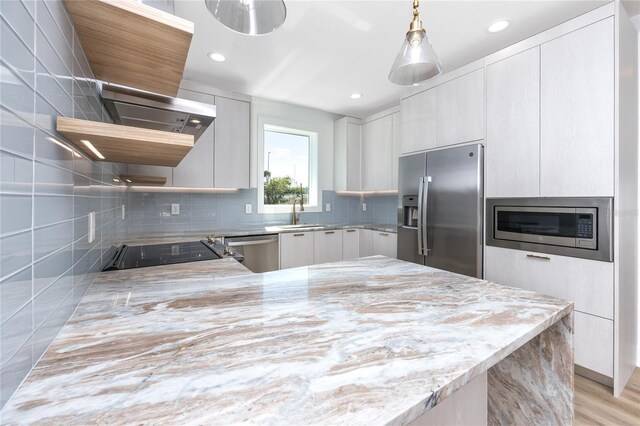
327	50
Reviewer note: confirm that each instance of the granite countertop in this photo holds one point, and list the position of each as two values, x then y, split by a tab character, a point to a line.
368	341
172	238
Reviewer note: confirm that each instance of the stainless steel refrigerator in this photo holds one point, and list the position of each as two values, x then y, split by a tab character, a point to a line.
440	209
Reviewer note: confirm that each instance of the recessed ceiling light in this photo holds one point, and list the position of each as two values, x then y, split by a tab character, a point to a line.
355	95
218	57
498	26
195	121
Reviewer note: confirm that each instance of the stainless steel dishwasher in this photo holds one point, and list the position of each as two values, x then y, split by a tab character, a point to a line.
261	252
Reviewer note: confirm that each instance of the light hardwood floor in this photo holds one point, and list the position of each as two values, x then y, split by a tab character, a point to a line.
595	404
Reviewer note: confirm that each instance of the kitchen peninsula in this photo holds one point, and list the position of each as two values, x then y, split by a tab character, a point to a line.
368	341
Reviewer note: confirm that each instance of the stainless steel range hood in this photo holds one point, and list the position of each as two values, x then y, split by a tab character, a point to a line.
133	107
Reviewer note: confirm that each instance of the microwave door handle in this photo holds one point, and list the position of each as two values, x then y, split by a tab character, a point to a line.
420	215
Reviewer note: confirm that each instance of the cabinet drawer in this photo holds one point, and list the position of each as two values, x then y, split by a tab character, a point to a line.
385	244
593	343
588	283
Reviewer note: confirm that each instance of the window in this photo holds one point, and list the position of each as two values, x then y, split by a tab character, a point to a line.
288	169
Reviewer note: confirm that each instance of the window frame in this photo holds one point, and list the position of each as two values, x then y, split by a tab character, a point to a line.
313	201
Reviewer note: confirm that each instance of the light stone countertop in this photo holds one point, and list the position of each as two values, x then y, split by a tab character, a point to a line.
367	341
193	236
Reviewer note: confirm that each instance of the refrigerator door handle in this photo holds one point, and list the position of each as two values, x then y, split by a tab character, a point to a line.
421	211
425	223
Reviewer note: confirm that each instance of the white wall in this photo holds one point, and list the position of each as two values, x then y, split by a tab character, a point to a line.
298	117
636	22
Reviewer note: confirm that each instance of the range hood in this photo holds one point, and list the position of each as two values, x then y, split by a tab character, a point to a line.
138	108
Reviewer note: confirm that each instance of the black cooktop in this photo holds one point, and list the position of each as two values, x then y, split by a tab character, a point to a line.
127	257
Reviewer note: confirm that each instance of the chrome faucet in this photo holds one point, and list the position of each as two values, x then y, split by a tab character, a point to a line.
295	218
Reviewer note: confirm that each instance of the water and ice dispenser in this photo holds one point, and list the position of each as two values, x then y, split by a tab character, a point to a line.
410	211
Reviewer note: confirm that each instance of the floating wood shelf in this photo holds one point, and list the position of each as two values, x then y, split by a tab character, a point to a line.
133	44
143	180
126	144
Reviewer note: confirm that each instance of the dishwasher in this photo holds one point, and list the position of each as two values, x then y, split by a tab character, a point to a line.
261	252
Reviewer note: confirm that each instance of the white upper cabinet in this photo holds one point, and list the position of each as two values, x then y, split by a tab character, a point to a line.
346	154
460	109
418	122
513	126
196	169
577	113
231	159
377	154
396	150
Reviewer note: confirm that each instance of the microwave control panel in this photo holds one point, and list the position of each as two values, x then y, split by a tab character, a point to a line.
584	226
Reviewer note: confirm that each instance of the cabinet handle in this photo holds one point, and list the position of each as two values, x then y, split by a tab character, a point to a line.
298	235
351	230
329	232
533	256
383	234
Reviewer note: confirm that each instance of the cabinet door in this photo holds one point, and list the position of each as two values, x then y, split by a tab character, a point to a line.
395	144
196	168
385	244
350	244
231	157
327	246
593	343
377	154
577	113
588	283
143	170
418	122
460	109
513	126
296	249
353	156
365	239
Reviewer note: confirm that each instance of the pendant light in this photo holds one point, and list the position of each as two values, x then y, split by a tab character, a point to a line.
251	17
416	61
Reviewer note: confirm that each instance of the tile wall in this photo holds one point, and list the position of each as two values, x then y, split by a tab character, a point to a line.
46	189
207	212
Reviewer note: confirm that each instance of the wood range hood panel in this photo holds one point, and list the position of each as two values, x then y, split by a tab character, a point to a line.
133	44
126	144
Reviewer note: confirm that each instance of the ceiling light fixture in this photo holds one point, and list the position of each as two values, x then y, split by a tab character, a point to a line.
498	26
251	17
355	95
195	121
92	148
218	57
416	61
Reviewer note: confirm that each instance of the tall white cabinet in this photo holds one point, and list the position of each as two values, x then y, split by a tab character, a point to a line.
512	152
577	113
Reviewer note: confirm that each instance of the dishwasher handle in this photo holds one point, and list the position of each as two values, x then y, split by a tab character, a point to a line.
251	240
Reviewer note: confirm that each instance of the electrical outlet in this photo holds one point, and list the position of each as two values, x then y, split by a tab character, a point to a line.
364	207
92	226
175	209
247	208
123	216
327	207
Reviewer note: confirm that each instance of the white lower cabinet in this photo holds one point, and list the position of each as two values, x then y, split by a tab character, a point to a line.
588	283
385	244
593	343
327	246
351	243
365	237
296	249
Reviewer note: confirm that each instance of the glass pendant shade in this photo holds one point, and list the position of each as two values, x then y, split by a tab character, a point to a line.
416	61
252	17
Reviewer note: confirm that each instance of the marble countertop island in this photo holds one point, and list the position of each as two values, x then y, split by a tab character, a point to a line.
368	341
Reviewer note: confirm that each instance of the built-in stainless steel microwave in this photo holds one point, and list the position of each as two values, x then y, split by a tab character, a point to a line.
578	227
